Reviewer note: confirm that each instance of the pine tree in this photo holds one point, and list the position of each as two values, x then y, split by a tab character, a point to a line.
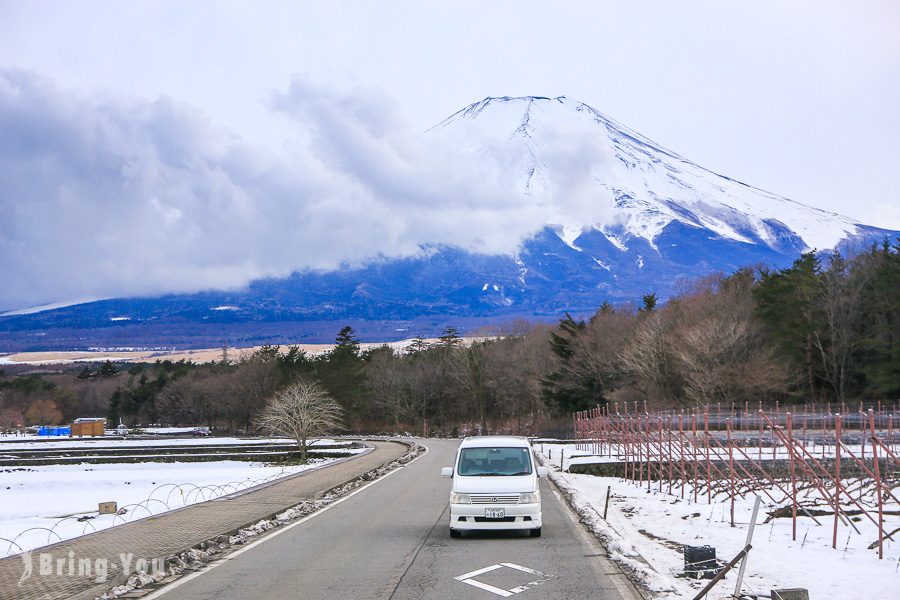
107	369
450	338
342	372
648	303
880	343
346	341
786	302
566	389
418	345
605	310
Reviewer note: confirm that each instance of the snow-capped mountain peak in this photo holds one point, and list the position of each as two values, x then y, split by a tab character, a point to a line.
637	187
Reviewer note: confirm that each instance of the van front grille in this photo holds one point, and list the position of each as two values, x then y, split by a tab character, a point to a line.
494	498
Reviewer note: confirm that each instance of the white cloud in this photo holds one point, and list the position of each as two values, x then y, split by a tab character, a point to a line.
107	198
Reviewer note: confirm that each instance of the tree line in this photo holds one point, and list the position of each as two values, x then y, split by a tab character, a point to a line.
825	328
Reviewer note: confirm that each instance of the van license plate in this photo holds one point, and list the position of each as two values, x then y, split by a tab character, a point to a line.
495	513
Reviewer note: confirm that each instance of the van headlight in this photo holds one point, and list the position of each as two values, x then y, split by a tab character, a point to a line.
457	498
529	498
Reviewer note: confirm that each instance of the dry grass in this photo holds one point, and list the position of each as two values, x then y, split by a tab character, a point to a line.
205	355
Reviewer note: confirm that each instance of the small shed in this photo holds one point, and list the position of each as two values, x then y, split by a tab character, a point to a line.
90	427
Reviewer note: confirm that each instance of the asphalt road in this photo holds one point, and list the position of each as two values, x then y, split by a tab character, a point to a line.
391	541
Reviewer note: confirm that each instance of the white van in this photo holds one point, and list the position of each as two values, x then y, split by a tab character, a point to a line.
495	486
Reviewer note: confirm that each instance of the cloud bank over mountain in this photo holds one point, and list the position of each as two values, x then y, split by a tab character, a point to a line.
112	196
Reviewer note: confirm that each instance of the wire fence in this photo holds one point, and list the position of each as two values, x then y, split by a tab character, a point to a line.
843	462
164	498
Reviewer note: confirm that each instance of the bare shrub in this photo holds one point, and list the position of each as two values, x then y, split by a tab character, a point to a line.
301	410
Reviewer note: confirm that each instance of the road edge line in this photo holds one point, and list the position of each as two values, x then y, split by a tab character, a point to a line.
247	547
629	590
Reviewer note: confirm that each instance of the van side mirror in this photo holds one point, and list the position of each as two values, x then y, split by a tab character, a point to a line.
543	471
447	472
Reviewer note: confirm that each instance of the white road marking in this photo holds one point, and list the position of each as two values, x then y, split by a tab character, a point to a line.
181	581
468	578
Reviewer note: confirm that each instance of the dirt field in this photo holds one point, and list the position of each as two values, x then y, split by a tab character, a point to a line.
197	356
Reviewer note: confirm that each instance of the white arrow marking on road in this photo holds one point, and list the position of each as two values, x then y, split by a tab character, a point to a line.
469	579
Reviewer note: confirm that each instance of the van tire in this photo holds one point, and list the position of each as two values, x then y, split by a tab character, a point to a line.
535	532
455	533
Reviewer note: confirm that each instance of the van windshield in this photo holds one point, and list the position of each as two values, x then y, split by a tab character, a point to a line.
493	462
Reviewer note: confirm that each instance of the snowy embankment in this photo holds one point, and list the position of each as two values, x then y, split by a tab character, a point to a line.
34	442
45	504
644	532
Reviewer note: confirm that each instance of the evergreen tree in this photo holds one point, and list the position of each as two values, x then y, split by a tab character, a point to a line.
880	307
113	414
605	310
567	388
342	372
295	364
450	338
107	369
418	345
648	303
786	302
346	341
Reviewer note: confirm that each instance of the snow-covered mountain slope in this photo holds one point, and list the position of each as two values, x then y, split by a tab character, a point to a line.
625	217
637	186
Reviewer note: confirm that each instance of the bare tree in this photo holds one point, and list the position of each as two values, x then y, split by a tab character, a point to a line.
250	382
840	297
648	357
719	345
43	412
300	410
11	419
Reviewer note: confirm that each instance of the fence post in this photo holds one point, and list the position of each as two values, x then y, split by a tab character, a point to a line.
669	450
647	434
790	435
694	450
708	468
638	432
661	449
837	477
740	577
730	467
681	453
877	472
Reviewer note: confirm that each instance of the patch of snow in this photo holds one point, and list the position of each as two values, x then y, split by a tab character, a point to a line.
645	529
614	240
601	264
54	496
568	234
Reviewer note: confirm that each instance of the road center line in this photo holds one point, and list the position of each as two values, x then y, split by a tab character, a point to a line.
181	581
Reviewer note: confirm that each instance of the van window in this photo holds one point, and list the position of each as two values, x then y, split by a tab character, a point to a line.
493	462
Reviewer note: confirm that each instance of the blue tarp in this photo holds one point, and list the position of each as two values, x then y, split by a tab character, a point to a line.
54	431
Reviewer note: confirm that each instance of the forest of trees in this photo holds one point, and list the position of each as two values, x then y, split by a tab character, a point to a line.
824	329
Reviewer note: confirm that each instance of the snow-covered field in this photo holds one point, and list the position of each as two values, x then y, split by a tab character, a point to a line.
644	531
41	505
31	442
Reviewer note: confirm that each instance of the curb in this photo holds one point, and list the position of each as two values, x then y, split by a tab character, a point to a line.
194	559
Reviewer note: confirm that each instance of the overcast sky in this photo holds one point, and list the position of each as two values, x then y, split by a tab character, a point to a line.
172	146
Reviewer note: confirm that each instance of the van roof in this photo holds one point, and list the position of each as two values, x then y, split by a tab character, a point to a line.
489	441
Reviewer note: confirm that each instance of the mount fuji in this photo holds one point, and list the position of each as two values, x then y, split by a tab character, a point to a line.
627	217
